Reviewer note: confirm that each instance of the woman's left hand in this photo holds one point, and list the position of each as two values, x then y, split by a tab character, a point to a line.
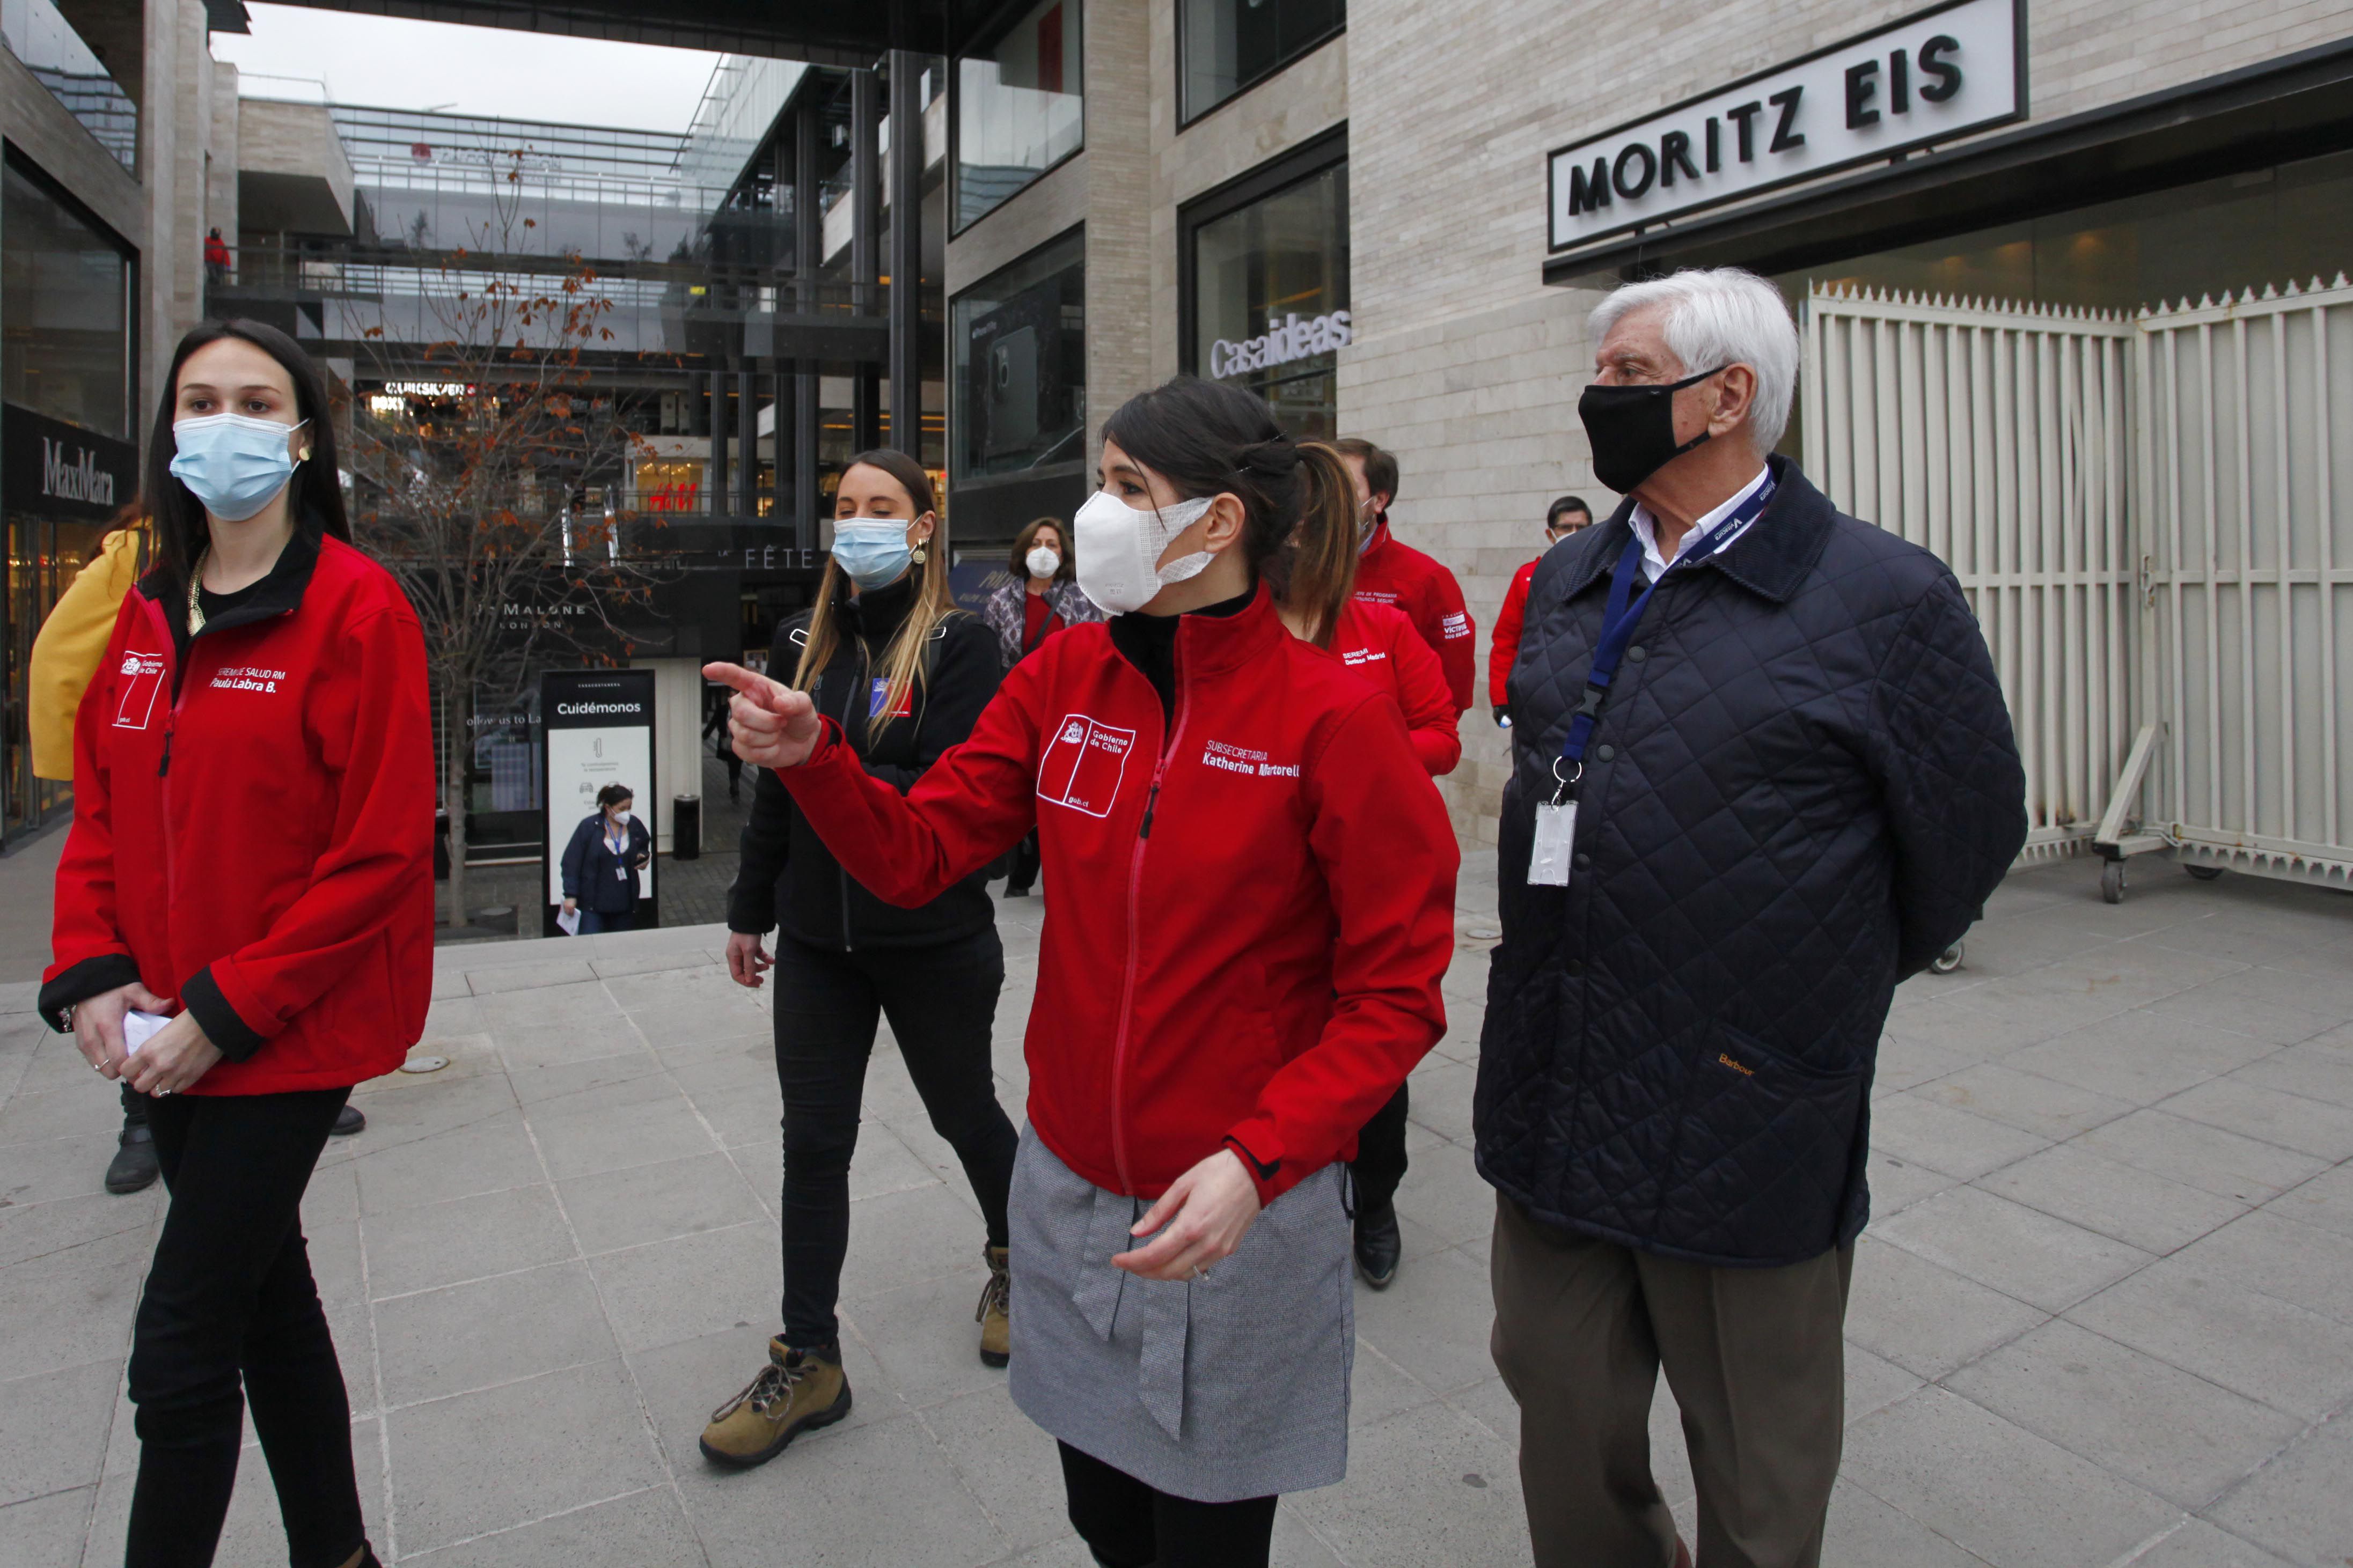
174	1058
1202	1218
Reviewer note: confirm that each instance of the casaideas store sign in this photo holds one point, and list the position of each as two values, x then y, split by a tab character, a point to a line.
1937	74
1284	342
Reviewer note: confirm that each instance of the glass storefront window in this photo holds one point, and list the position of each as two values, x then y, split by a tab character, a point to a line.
1018	107
1225	45
1270	307
1019	376
65	300
37	34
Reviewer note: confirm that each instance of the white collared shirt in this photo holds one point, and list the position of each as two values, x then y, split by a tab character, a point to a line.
1653	563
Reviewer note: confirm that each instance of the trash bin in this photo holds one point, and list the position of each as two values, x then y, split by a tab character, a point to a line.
686	828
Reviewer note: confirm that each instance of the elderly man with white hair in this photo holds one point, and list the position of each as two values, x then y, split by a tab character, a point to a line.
1763	773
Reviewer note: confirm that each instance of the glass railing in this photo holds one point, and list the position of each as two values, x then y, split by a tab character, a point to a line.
37	34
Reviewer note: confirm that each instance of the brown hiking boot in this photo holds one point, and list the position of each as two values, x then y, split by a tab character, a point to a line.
795	1392
995	1312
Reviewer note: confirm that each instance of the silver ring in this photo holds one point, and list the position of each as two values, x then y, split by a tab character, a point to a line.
159	1093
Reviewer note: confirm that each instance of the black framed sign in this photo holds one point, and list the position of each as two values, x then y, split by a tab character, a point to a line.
1945	72
597	728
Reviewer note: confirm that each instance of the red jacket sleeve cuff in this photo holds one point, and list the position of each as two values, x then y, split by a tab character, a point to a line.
222	1024
829	737
1259	1150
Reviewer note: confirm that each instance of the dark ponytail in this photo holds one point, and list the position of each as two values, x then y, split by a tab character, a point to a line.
1314	577
1207	438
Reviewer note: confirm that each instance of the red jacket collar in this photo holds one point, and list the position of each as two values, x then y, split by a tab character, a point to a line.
1211	645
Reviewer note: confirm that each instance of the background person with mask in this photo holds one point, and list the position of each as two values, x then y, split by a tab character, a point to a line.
1041	596
1762	772
1251	910
888	658
601	866
1390	572
1563	518
252	853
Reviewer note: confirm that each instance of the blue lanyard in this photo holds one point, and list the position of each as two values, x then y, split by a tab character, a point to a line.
1618	622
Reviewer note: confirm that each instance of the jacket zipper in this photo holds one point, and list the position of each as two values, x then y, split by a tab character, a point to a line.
1134	895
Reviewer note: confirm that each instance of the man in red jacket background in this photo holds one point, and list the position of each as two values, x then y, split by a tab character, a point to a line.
1389	573
1564	516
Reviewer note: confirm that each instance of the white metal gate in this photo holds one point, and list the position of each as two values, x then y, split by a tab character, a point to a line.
2148	516
1998	437
2246	525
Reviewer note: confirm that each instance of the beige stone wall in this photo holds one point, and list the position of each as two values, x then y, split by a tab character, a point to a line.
220	167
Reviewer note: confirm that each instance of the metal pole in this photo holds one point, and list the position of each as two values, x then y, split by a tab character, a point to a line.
865	249
809	240
747	446
906	254
718	443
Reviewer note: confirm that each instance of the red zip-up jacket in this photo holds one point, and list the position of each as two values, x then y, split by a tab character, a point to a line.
1391	572
1379	644
1506	646
1249	908
253	835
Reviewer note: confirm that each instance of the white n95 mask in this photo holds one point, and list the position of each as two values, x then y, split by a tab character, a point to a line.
1118	545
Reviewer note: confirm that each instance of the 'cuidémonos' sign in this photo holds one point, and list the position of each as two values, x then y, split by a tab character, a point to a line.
1942	73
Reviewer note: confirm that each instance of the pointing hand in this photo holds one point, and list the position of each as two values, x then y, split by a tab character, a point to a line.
771	726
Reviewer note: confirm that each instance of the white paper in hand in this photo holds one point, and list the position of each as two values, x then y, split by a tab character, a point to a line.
568	922
138	1028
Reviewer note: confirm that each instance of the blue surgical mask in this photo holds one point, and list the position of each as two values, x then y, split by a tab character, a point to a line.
873	550
232	463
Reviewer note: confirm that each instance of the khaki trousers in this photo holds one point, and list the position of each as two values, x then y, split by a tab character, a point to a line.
1755	1358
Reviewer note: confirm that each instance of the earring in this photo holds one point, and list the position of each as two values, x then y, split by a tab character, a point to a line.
919	555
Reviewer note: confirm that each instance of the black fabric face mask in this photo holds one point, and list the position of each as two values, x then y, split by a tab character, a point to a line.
1632	429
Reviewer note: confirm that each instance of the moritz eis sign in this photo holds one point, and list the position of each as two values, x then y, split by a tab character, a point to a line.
1941	73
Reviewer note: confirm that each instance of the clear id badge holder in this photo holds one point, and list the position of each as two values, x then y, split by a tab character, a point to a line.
1556	831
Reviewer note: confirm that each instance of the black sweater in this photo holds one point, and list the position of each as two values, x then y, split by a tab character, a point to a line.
787	879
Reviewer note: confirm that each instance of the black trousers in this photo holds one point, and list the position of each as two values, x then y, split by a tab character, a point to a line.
134	1106
229	1317
1379	1164
1127	1524
1021	863
940	1001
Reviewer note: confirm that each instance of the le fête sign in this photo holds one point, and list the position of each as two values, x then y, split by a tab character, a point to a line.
1935	76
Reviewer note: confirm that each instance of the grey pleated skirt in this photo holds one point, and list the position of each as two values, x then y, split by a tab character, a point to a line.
1233	1385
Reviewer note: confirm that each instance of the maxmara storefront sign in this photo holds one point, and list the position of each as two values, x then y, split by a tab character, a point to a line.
1938	74
49	467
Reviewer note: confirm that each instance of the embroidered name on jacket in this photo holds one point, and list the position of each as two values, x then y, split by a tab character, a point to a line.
1083	764
248	677
1242	760
1355	656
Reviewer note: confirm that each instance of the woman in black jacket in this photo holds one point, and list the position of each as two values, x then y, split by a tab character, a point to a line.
601	864
889	659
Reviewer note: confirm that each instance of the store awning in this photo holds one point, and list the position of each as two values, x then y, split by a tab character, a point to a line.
822	32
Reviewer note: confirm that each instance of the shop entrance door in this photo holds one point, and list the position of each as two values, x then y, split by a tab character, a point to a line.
2244	492
2147	515
1998	437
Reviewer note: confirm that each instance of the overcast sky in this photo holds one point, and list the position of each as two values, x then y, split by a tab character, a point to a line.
387	63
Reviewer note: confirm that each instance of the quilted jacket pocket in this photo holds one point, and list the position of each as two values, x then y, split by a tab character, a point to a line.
1764	1153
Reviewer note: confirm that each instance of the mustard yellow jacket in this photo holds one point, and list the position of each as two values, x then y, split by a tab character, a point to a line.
72	642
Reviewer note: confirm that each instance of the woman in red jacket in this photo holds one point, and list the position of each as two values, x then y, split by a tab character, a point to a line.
1250	909
252	854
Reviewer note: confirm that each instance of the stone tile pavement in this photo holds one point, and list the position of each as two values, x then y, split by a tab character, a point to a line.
2103	1315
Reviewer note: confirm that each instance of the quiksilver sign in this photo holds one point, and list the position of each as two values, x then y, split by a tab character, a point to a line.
74	475
1939	74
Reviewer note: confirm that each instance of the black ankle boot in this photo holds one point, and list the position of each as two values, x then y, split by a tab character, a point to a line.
1377	1246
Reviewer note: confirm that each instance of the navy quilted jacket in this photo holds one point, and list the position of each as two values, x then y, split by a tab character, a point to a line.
1802	789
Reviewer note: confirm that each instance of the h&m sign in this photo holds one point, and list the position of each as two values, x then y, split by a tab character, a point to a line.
50	466
1944	72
